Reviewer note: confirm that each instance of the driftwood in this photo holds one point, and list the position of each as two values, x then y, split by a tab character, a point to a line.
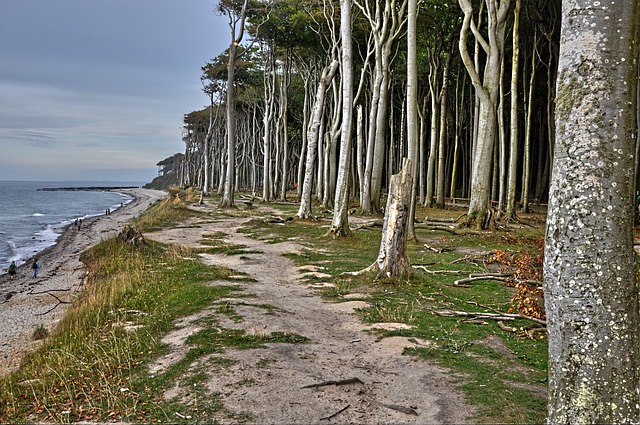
53	308
340	382
485	315
326	418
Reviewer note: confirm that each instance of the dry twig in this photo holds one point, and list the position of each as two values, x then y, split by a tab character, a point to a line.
336	414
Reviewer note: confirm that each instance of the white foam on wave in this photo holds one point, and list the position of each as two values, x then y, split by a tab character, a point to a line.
37	215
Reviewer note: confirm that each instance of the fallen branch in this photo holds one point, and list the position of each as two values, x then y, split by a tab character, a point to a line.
276	219
450	229
48	291
445	220
335	414
474	258
485	315
407	410
438	250
426	270
506	328
476	278
340	382
368	225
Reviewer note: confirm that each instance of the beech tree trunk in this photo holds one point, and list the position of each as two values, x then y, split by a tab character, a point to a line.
340	223
314	129
487	89
591	293
513	128
236	38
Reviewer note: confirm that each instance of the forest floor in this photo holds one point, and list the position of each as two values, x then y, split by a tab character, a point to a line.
344	372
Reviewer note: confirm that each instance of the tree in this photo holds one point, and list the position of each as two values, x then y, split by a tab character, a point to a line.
340	223
313	135
237	26
513	133
591	293
487	89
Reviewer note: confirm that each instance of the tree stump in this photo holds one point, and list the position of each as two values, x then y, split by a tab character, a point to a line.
132	236
392	258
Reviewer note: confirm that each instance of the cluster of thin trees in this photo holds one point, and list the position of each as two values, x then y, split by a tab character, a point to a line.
344	101
483	98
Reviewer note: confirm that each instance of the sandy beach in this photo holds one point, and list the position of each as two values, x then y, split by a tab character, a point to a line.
26	302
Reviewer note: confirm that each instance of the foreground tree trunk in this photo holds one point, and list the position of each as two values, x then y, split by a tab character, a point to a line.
591	293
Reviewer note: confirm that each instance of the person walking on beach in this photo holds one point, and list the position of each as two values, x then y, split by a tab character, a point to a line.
35	267
12	270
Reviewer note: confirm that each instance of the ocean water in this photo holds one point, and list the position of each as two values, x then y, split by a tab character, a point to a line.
31	220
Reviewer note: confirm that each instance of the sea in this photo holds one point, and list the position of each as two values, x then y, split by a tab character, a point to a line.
32	220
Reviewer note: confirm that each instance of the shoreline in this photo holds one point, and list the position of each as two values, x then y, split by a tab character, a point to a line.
26	303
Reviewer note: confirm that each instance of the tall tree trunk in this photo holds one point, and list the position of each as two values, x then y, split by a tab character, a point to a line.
591	293
513	128
412	108
314	129
442	138
487	89
433	140
267	119
236	38
526	160
340	223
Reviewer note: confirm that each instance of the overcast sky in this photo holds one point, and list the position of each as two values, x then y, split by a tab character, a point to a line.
97	89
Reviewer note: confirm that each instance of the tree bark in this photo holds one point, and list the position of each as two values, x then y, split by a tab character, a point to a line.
305	201
236	38
591	293
513	130
487	90
340	224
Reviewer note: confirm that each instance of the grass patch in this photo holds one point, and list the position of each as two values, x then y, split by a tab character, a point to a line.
40	332
171	210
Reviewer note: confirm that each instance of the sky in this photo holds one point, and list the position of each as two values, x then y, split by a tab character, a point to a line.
97	89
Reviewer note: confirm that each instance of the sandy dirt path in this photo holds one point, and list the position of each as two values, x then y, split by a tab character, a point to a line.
269	384
26	302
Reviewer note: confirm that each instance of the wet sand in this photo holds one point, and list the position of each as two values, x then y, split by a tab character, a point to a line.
26	302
